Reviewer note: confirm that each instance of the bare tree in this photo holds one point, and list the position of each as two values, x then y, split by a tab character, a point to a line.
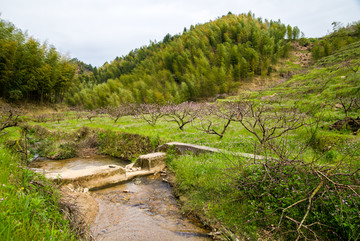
8	116
58	116
119	111
181	114
150	113
267	123
348	103
214	119
90	115
41	117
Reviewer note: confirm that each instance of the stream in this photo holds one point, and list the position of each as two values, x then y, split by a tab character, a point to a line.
144	208
75	163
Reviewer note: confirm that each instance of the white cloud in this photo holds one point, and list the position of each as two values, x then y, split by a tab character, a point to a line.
96	31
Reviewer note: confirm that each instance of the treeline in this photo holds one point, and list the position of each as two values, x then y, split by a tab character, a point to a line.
206	60
340	37
29	70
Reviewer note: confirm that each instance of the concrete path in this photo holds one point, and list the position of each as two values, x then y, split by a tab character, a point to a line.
183	148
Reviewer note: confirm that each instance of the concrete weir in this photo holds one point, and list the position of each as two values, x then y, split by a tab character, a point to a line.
183	148
94	177
99	176
108	206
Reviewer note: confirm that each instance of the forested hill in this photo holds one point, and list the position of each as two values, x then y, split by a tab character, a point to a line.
208	59
29	70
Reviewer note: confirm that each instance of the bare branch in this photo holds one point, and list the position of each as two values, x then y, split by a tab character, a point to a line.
150	113
181	114
9	116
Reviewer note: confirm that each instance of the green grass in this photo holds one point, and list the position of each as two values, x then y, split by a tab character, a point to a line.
29	208
247	198
317	87
235	138
215	186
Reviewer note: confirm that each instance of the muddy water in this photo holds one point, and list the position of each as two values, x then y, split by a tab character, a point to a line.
75	163
143	209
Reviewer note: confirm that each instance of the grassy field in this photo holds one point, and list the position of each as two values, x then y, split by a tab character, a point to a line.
306	187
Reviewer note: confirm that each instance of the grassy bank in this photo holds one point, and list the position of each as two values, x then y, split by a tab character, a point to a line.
29	203
267	199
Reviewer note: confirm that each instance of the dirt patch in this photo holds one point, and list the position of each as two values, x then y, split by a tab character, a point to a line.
348	122
80	208
302	53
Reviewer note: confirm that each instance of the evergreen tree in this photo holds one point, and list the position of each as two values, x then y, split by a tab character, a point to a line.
205	60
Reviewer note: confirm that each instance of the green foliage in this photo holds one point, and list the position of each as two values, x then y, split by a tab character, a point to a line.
30	70
339	38
56	150
268	196
249	197
29	204
123	145
326	141
209	59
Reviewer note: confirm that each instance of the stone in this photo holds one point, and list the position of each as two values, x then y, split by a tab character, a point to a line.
137	181
151	162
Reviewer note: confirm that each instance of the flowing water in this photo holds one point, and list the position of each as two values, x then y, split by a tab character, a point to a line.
142	209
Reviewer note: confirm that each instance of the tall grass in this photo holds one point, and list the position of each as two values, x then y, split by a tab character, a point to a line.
29	204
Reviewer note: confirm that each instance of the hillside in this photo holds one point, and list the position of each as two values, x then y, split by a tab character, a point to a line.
30	70
204	61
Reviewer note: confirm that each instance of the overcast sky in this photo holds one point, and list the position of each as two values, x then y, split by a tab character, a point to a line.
96	31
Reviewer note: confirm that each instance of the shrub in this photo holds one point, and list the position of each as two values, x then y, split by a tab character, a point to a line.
325	141
294	199
56	150
123	145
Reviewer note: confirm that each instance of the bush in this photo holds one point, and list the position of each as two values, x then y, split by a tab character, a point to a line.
326	141
123	145
278	193
271	197
56	150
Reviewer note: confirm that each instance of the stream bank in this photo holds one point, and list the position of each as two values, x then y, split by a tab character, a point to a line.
139	205
143	209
